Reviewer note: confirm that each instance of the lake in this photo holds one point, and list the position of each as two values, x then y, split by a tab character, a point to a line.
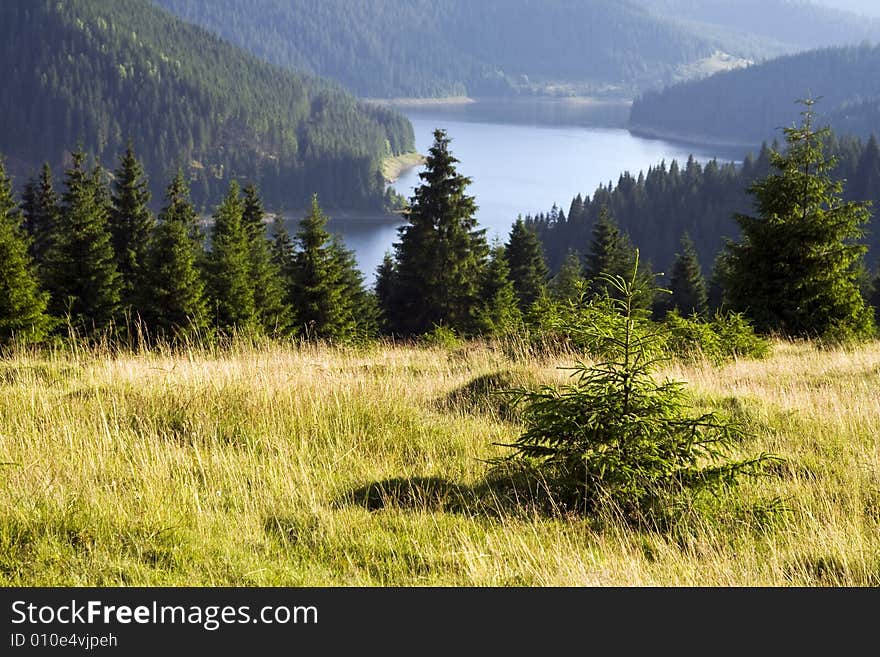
521	161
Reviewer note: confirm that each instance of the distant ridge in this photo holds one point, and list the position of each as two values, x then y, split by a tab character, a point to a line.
750	105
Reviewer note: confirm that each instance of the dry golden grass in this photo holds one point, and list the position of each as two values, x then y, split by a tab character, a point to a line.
249	467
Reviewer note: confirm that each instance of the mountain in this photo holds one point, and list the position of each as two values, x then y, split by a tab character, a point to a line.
101	72
865	7
757	29
750	105
399	48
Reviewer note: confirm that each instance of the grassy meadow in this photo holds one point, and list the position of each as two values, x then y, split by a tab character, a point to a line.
311	465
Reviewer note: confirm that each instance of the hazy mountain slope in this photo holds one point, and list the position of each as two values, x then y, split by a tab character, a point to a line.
104	71
750	105
759	28
384	48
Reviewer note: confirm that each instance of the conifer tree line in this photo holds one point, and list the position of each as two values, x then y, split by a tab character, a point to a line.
93	260
656	207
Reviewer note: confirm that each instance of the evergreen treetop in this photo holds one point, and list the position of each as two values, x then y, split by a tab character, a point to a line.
794	271
441	252
22	303
131	224
687	285
525	257
84	283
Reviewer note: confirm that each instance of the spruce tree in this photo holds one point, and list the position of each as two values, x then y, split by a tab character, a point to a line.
22	303
84	284
175	304
384	287
568	283
270	298
499	312
794	271
131	224
229	269
318	292
687	284
41	210
441	253
528	269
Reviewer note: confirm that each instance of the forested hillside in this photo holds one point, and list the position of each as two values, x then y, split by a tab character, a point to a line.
657	207
102	72
384	48
749	105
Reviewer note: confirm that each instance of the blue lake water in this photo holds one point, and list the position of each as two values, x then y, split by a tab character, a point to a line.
519	164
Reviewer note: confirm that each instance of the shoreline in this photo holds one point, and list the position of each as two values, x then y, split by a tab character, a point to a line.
395	166
691	139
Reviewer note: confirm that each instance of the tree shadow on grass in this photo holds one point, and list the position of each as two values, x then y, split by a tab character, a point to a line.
502	492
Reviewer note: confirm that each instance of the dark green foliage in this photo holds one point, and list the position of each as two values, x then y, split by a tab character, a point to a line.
229	267
611	252
615	436
270	293
22	303
569	281
686	283
282	246
795	270
720	273
397	48
41	213
99	71
657	206
384	287
131	224
84	284
321	293
724	337
498	313
441	253
175	304
525	257
360	305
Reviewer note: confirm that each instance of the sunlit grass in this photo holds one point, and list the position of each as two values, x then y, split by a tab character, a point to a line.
254	466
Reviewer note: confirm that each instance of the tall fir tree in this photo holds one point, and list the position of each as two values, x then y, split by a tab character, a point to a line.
686	282
42	211
270	297
528	269
229	267
795	270
175	304
131	224
498	313
85	286
441	253
22	303
318	291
